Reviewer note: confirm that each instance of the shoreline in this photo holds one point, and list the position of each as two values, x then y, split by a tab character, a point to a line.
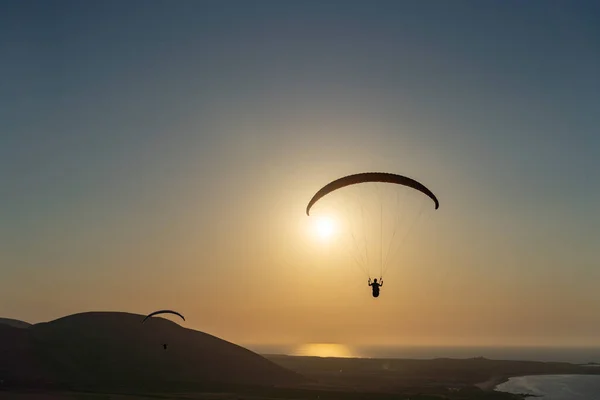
493	382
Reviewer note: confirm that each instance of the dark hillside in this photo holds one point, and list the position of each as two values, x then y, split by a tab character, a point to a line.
104	349
15	323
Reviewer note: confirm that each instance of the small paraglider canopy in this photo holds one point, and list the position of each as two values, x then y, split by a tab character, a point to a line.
163	312
164	345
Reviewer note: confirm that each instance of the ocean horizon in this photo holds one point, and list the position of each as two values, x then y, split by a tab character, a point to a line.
575	355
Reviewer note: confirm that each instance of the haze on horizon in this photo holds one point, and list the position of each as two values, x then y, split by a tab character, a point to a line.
161	156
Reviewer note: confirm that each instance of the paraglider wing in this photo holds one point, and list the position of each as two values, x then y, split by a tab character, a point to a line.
371	177
162	312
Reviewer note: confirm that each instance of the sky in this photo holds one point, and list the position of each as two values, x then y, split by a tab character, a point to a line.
161	154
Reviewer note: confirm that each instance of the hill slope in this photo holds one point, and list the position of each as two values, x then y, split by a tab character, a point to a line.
18	360
14	323
103	349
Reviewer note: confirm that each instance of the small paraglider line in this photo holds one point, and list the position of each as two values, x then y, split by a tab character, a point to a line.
407	232
356	255
380	237
360	245
362	213
398	218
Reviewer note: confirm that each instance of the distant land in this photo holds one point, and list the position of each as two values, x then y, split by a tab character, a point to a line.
87	354
436	376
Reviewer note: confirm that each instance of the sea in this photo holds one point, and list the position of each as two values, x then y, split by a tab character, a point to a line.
545	387
555	387
575	355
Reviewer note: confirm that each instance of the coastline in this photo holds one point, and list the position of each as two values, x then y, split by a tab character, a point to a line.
550	385
479	376
493	382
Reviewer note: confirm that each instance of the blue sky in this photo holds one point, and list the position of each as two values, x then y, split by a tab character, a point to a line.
135	131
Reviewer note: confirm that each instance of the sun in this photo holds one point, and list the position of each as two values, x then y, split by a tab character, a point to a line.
324	228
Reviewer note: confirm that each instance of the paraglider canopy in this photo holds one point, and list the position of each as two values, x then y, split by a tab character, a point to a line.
383	177
376	212
164	344
162	312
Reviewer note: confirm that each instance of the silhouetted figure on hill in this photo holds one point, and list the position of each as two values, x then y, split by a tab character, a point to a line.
375	286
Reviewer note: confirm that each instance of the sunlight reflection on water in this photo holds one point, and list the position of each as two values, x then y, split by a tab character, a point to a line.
324	350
